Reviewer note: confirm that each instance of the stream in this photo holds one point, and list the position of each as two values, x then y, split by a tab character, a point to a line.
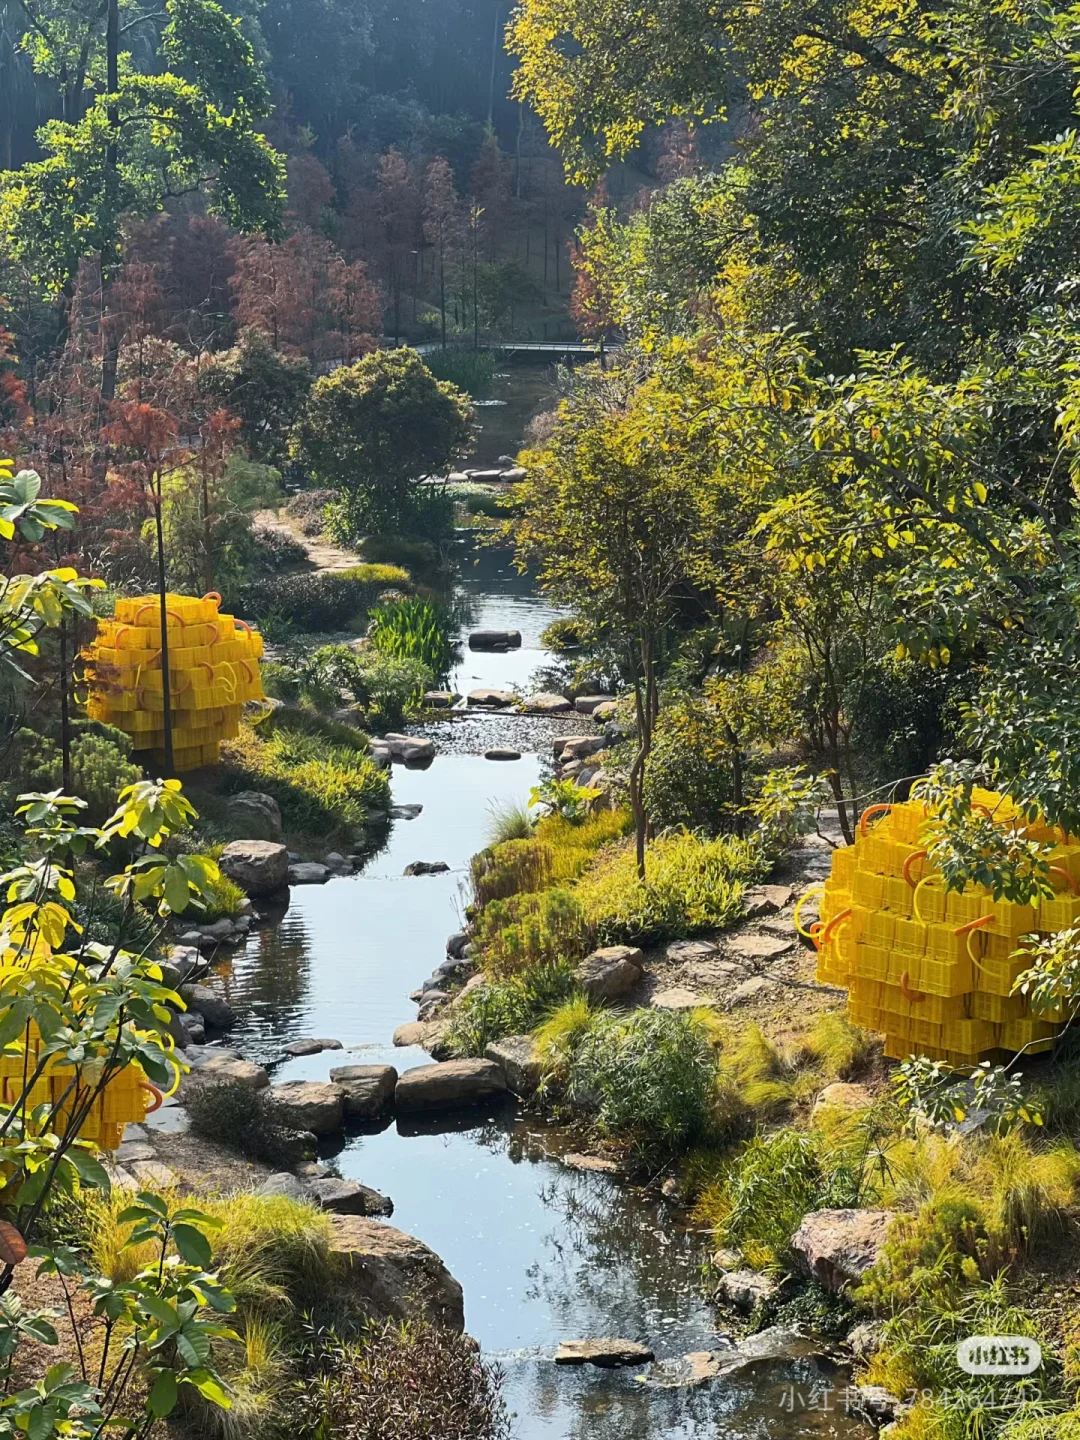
544	1252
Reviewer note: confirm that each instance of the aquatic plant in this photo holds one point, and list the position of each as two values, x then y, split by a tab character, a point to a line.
416	629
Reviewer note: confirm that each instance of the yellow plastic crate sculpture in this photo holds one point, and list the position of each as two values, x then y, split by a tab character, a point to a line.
931	969
213	670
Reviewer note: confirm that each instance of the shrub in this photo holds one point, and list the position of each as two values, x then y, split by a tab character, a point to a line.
416	629
511	868
408	1382
512	1006
238	1116
470	370
532	929
691	885
763	1193
223	897
317	600
100	768
688	780
570	632
648	1075
322	787
273	551
420	556
308	509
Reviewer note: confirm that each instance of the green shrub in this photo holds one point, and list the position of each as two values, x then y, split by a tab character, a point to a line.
317	600
688	780
273	551
512	1006
765	1190
416	629
421	557
532	929
239	1117
511	868
308	509
385	576
406	1382
323	787
691	885
570	632
470	370
100	768
649	1076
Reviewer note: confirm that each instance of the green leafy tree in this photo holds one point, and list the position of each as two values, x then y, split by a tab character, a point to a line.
375	430
265	389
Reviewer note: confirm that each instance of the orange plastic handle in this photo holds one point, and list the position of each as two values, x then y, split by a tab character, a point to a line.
159	1099
1069	879
972	925
242	623
909	862
873	810
122	631
247	669
814	931
154	605
832	925
205	665
216	629
213	595
911	996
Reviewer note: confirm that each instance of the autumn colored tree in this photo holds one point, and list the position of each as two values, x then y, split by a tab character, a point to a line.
398	208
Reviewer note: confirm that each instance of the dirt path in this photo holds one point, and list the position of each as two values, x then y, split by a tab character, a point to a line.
321	553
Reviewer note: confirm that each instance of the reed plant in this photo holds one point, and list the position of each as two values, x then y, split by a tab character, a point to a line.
416	628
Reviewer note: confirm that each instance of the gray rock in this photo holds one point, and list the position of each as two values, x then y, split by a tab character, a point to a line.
836	1247
587	704
453	971
259	867
876	1404
213	1007
744	1289
492	699
220	929
409	749
283	1182
866	1339
545	703
455	944
426	867
748	990
190	939
689	952
494	639
441	699
502	754
368	1089
311	1046
843	1097
226	1069
411	1033
254	816
767	899
605	1353
521	1066
759	947
307	872
336	861
446	1086
182	962
349	1197
677	997
393	1276
405	812
194	1028
591	1164
309	1105
606	710
611	972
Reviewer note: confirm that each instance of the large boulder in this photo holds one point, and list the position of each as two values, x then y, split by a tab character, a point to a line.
445	1086
214	1066
259	867
836	1247
309	1105
255	816
610	973
520	1063
212	1006
586	704
410	749
494	639
546	703
348	1197
578	747
745	1289
308	872
368	1089
394	1276
491	699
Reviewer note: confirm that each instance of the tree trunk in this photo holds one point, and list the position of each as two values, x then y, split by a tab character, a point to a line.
442	290
110	339
166	687
65	713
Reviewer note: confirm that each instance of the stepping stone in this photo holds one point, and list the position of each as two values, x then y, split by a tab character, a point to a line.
596	1163
152	1172
426	867
131	1150
405	812
677	998
751	989
586	704
759	947
546	703
312	1046
492	699
683	951
502	754
605	1353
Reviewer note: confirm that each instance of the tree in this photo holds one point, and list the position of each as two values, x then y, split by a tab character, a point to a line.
139	140
375	430
441	221
615	528
398	209
263	388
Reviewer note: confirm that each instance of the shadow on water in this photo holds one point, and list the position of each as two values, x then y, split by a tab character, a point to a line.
544	1252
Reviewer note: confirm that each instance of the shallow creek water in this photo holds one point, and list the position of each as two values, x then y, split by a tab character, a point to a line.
544	1252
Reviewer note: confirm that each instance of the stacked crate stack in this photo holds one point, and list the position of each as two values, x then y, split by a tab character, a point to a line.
933	969
213	670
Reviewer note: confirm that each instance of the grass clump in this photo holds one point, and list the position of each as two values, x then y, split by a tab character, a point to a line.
691	885
512	867
523	931
323	785
238	1116
510	820
648	1076
513	1006
416	629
